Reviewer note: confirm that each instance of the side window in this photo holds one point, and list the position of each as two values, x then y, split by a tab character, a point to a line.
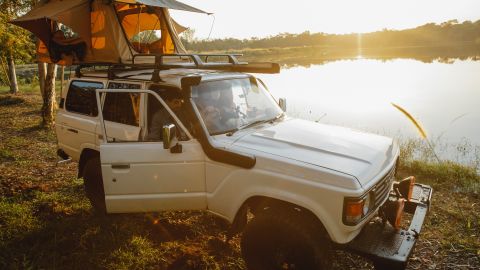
81	97
158	116
122	108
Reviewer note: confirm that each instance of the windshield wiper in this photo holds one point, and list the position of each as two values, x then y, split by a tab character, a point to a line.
232	131
254	123
228	132
278	117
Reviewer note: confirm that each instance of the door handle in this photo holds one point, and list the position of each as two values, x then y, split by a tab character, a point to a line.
72	130
121	166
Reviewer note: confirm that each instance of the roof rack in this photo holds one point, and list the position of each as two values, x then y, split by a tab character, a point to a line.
159	62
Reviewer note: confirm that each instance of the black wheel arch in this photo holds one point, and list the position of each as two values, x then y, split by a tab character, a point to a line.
257	204
87	154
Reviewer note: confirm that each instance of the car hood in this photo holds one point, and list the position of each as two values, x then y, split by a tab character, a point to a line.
353	152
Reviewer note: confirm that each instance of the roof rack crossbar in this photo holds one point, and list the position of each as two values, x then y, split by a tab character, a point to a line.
195	58
195	62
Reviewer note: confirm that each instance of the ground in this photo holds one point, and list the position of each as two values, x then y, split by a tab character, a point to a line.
47	223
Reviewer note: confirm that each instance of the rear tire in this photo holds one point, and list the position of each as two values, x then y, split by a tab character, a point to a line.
377	265
93	184
274	241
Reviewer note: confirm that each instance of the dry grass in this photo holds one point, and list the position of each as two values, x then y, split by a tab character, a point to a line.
47	223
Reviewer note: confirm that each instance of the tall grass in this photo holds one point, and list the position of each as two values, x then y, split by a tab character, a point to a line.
459	173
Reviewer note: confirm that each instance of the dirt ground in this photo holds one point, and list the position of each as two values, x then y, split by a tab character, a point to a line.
47	223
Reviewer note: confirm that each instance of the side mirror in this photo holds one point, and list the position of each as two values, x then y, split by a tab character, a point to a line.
282	102
168	135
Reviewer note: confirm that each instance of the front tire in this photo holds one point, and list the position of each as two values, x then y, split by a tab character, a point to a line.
93	184
274	241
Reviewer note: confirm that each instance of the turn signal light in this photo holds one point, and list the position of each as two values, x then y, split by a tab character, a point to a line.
354	211
405	187
394	211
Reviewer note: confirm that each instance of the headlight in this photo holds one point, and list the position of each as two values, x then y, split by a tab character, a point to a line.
355	209
366	204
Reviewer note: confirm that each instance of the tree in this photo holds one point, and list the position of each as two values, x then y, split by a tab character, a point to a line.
188	35
18	44
48	95
15	43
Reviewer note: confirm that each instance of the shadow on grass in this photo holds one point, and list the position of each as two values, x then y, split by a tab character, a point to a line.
31	129
31	113
68	238
10	100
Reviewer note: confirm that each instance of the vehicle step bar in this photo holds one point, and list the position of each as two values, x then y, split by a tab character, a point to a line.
390	248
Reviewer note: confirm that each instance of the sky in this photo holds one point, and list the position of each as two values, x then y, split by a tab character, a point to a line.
260	18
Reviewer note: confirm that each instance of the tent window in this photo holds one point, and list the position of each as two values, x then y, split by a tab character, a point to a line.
67	31
143	27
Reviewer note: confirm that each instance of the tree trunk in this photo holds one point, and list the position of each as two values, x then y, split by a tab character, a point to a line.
49	103
62	78
5	72
12	75
42	73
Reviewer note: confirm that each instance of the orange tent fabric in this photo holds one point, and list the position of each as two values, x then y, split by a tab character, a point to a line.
103	32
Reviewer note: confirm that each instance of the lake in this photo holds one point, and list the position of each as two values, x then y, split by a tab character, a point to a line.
444	96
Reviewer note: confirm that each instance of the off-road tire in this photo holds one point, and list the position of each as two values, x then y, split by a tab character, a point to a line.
274	240
93	184
385	266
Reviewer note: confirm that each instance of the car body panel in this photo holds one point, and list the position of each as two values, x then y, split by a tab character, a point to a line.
312	165
345	150
140	173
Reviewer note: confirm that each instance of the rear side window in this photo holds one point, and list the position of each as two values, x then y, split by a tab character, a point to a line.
122	108
81	97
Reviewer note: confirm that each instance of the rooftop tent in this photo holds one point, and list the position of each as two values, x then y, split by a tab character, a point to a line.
103	31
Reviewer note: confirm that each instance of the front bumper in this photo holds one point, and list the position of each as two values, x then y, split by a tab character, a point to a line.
389	248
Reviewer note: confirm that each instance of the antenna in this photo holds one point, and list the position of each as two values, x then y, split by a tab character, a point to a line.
211	27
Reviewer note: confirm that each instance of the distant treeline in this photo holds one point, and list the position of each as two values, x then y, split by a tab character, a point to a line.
444	34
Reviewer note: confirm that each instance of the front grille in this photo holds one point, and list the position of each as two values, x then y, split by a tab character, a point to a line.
381	190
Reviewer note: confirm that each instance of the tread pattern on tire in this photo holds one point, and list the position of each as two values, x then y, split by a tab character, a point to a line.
284	227
93	183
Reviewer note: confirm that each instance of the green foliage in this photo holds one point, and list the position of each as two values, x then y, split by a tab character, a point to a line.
16	219
445	174
431	34
146	37
416	156
138	253
14	40
188	36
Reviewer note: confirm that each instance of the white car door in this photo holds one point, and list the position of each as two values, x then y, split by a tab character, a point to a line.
142	176
77	118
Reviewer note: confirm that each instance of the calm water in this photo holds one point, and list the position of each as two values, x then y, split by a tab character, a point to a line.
443	97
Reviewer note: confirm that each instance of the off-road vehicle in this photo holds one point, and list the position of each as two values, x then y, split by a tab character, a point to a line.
186	133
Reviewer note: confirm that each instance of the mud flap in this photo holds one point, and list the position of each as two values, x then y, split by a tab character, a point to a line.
389	248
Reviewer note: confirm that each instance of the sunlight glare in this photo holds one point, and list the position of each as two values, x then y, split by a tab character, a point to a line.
269	17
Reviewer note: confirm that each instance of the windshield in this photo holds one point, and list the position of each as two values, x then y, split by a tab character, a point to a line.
228	105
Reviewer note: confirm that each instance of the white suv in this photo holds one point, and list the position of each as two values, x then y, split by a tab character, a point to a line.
204	136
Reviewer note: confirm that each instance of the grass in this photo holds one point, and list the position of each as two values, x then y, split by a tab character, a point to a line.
417	156
47	223
27	87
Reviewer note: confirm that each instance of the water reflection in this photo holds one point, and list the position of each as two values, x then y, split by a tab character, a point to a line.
311	56
358	93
